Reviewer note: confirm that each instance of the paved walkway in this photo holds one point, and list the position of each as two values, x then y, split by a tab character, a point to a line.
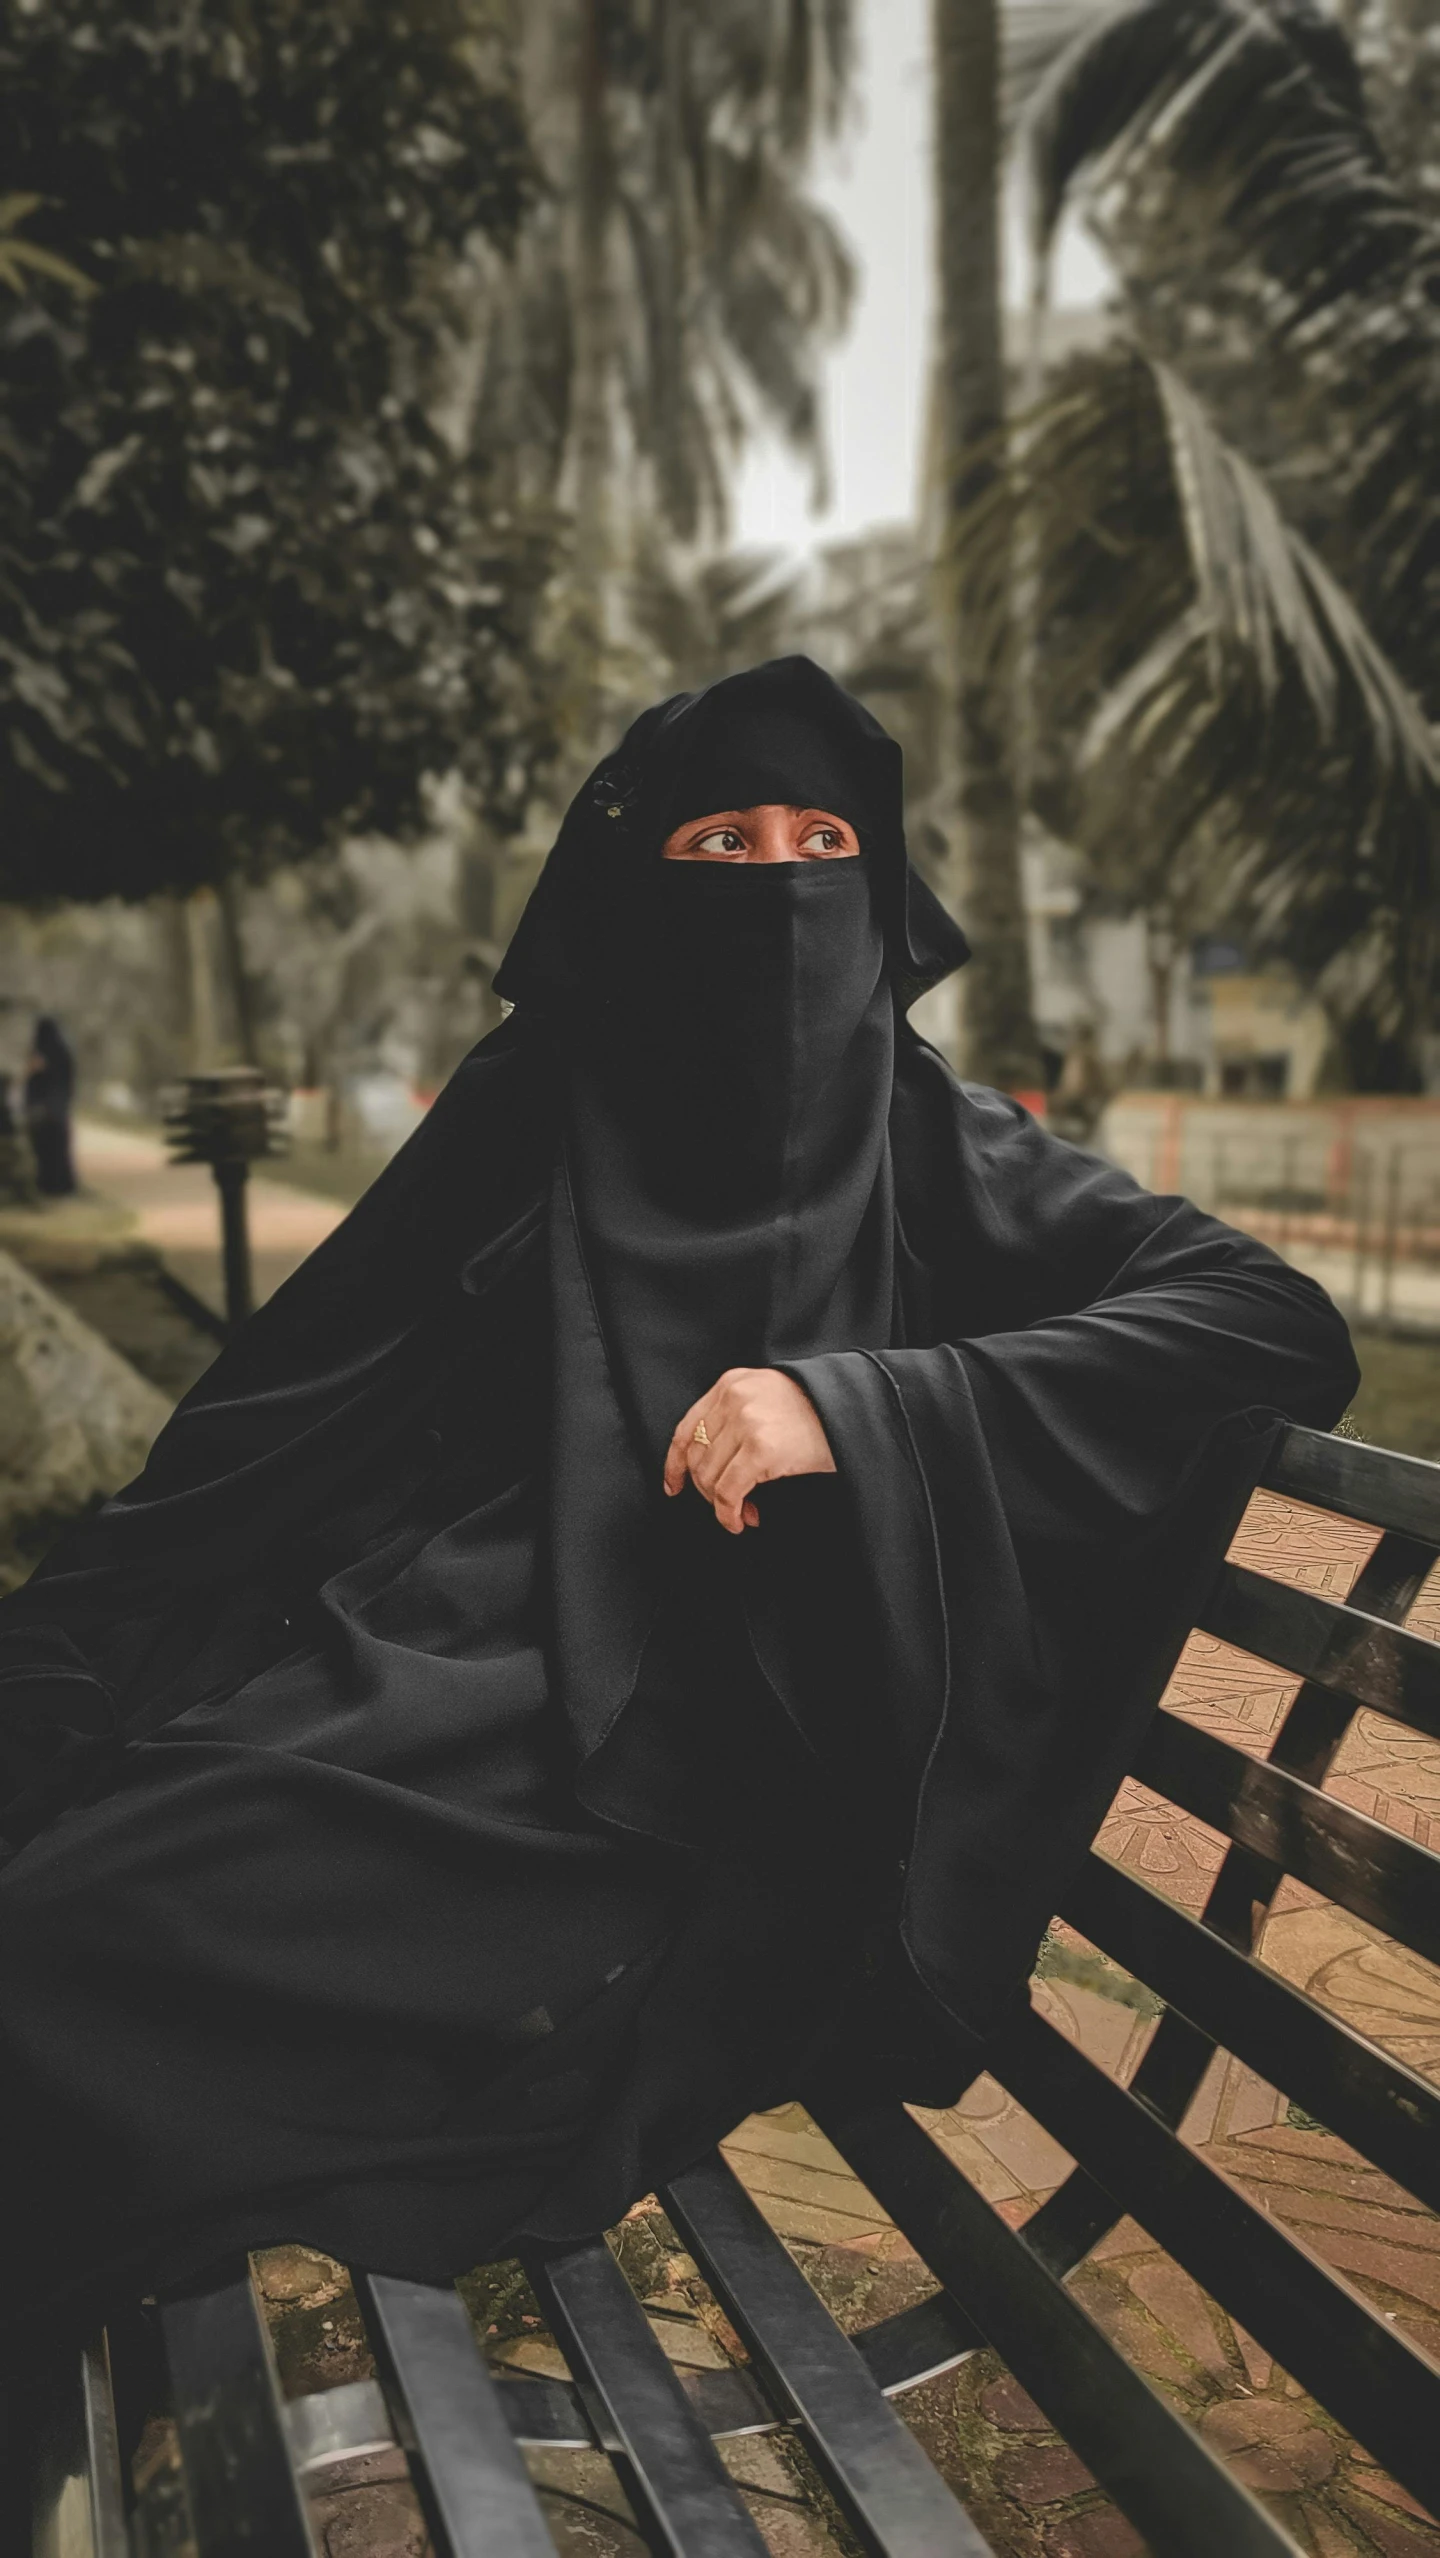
177	1208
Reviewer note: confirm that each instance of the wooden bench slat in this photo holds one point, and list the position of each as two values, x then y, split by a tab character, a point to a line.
1376	1485
1078	2215
1341	1853
1177	2494
910	2346
1389	2113
895	2497
471	2481
1340	1648
241	2483
667	2463
102	2453
1320	2330
551	2411
915	2344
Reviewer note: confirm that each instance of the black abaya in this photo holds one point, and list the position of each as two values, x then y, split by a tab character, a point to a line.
422	1832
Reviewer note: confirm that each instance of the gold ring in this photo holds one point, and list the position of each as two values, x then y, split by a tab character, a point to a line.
701	1434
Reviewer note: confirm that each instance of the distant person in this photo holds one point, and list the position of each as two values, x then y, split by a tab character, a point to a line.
49	1100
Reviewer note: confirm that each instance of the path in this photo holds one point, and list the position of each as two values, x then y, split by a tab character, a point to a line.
177	1208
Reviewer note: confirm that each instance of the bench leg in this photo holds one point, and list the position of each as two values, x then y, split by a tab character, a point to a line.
239	2475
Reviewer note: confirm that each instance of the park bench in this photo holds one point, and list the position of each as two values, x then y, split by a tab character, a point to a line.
247	2458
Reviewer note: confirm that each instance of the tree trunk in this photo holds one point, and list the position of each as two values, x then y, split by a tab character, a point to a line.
593	388
239	983
204	1021
998	1038
1160	945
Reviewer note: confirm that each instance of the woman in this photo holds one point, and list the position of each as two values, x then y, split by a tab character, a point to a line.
703	1535
49	1095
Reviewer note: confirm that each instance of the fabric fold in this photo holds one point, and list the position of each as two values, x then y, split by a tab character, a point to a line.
432	1713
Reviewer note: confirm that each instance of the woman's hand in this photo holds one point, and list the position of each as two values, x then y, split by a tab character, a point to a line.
758	1426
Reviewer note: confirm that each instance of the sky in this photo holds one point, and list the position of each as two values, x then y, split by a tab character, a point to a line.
876	184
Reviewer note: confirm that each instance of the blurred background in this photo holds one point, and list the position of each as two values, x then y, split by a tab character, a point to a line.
396	395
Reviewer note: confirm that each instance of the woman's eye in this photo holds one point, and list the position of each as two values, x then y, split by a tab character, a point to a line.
821	839
723	839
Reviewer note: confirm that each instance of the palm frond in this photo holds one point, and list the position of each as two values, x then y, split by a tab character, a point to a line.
1034	34
1234	731
1260	107
22	259
729	279
1262	589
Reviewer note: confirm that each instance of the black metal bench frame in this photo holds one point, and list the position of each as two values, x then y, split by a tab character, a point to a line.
248	2458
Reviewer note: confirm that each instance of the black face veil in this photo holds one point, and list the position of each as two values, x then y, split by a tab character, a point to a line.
726	1189
727	1148
785	731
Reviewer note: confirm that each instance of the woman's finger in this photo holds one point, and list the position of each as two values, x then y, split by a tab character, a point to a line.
677	1455
733	1488
708	1458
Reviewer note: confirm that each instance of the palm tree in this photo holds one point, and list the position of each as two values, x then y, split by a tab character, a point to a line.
677	285
999	1042
1240	645
701	619
21	259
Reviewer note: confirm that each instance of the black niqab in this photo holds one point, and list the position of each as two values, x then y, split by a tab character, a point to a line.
785	732
728	1196
728	1137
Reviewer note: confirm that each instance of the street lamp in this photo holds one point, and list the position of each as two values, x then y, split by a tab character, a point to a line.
228	1118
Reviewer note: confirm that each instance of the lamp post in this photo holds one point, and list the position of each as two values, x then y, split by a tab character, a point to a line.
228	1118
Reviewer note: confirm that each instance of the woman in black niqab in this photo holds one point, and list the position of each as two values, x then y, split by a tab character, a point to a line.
426	1829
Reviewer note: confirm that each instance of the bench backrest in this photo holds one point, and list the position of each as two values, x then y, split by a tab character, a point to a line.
246	2457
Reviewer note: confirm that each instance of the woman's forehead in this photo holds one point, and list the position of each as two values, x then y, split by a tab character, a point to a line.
768	807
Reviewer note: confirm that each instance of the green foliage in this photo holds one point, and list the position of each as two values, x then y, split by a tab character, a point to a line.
21	260
1228	727
721	278
1234	529
250	596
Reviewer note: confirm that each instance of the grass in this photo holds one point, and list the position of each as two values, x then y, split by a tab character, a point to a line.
1398	1405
